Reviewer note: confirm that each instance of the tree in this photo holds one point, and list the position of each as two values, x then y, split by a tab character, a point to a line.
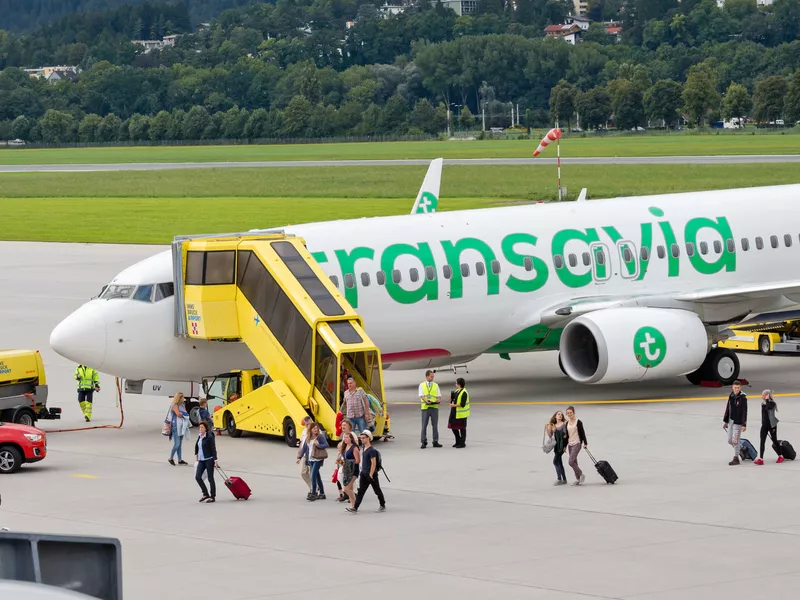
467	119
595	107
628	107
768	99
297	116
562	101
137	127
663	101
89	128
736	102
700	92
195	123
107	130
21	127
57	127
256	124
159	126
395	115
423	117
792	106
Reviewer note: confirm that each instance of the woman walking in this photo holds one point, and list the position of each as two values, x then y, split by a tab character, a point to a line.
316	452
769	426
459	411
346	429
558	429
352	457
205	453
179	419
575	437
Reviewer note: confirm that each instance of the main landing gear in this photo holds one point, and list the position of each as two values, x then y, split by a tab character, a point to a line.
721	365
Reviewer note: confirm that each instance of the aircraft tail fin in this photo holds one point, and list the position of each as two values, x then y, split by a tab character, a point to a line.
428	197
582	195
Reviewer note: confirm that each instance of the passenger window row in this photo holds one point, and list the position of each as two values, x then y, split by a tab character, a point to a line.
429	273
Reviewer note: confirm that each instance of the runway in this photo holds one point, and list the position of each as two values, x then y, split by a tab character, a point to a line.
602	160
482	522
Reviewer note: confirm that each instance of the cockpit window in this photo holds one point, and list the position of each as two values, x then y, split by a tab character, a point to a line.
164	290
144	293
113	292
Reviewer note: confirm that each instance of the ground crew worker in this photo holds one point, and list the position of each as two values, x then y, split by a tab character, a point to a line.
88	383
459	411
429	398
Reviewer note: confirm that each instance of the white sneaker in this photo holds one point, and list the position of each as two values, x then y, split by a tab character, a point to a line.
583	478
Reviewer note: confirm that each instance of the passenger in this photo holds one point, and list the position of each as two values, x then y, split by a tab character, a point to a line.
301	458
352	457
558	428
179	419
316	454
459	411
769	426
203	413
429	398
735	419
346	428
575	437
356	404
205	451
368	475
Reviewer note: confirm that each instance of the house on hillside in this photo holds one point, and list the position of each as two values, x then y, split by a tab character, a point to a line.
54	74
149	45
460	7
568	33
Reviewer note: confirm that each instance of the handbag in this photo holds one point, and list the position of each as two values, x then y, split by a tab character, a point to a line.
548	443
166	428
318	453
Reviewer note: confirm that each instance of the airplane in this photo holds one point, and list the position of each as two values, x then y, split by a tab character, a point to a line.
624	289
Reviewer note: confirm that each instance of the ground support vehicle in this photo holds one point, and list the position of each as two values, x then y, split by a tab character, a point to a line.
23	388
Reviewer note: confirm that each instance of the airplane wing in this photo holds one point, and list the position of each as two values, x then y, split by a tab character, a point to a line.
428	197
731	304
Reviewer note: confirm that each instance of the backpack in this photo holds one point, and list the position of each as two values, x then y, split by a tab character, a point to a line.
748	451
379	466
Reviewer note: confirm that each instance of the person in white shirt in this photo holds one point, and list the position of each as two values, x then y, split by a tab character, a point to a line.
429	398
305	472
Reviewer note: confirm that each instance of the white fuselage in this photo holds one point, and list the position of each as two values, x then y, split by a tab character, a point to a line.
517	262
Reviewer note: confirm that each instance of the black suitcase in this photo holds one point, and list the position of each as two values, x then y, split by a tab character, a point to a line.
787	451
604	468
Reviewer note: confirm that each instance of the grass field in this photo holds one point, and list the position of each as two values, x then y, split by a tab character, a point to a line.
635	145
154	206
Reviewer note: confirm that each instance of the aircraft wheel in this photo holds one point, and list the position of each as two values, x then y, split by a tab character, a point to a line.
723	366
764	345
289	432
230	426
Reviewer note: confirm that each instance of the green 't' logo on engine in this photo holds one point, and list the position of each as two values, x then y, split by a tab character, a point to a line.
649	347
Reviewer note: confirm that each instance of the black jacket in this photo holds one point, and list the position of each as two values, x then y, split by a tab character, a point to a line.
209	446
581	433
736	409
768	417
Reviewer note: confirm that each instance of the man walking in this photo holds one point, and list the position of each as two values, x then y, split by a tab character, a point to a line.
735	419
429	398
305	472
88	383
356	405
369	474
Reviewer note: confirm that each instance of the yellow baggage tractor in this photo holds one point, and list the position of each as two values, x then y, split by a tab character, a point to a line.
23	388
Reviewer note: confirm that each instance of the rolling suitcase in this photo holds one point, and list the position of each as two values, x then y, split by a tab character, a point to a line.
748	451
786	450
604	468
237	486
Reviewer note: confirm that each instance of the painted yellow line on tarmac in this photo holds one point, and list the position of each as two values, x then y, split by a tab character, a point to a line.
722	396
82	476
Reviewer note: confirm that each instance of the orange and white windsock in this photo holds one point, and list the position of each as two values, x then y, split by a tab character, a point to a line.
551	136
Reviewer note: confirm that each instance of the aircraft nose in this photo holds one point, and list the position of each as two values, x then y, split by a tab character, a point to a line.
81	337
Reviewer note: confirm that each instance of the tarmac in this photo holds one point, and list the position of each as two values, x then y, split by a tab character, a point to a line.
600	160
482	522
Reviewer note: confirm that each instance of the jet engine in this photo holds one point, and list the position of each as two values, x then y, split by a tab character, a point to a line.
616	345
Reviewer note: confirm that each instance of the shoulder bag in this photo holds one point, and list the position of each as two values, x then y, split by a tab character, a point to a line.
548	442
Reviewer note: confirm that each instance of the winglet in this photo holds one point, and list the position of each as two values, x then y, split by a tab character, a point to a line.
428	196
582	195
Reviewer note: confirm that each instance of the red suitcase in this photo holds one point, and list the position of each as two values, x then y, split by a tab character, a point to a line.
237	486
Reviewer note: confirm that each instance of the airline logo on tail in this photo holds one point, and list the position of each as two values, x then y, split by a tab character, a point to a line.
428	196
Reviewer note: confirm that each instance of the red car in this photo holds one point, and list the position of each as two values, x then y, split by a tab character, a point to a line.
20	444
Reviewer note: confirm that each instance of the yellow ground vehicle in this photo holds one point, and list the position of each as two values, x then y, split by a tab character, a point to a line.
23	388
782	336
268	292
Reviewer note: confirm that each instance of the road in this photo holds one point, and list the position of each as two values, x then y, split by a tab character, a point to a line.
598	160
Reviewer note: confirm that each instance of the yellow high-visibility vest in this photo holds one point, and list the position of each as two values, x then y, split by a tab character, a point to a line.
462	413
431	392
87	378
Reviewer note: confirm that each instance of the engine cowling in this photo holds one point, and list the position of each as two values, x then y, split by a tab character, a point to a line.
631	344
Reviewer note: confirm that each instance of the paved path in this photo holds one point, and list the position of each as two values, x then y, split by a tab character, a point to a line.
483	522
601	160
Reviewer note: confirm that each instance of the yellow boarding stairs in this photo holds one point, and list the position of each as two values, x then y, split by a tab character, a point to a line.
268	292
